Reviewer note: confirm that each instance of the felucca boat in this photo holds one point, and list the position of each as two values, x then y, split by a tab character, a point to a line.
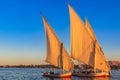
86	49
56	54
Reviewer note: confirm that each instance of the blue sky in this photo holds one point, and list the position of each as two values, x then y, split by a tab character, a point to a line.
22	35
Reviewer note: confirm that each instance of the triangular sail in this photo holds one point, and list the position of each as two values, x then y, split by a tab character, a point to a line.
81	42
53	45
100	60
68	64
53	49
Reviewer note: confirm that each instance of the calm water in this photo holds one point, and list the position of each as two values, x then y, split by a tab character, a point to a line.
36	74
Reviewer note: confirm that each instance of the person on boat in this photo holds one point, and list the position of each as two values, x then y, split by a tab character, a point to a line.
51	72
46	73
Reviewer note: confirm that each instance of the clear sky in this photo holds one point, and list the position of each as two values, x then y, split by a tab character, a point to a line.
22	36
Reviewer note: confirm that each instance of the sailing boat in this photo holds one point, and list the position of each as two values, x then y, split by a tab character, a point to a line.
85	48
56	54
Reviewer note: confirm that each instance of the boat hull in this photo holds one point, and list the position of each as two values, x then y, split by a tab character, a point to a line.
56	75
102	74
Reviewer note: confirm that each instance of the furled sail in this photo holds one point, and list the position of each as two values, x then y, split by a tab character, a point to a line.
54	50
100	60
81	42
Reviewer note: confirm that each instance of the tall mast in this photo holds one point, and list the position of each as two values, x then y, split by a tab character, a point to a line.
94	51
61	53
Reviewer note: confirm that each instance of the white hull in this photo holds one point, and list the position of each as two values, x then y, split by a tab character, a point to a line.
101	74
58	75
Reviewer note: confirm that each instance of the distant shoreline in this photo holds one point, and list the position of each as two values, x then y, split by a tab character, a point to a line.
114	67
27	66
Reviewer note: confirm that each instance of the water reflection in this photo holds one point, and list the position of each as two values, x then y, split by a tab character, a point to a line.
80	78
83	78
59	79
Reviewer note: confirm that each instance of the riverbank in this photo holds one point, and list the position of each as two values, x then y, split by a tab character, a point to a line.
47	66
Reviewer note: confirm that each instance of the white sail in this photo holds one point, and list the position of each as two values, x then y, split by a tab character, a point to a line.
81	42
53	45
54	55
100	60
68	64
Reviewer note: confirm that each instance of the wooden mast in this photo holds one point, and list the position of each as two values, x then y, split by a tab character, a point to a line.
61	56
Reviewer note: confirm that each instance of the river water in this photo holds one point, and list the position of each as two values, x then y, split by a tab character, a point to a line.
36	74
